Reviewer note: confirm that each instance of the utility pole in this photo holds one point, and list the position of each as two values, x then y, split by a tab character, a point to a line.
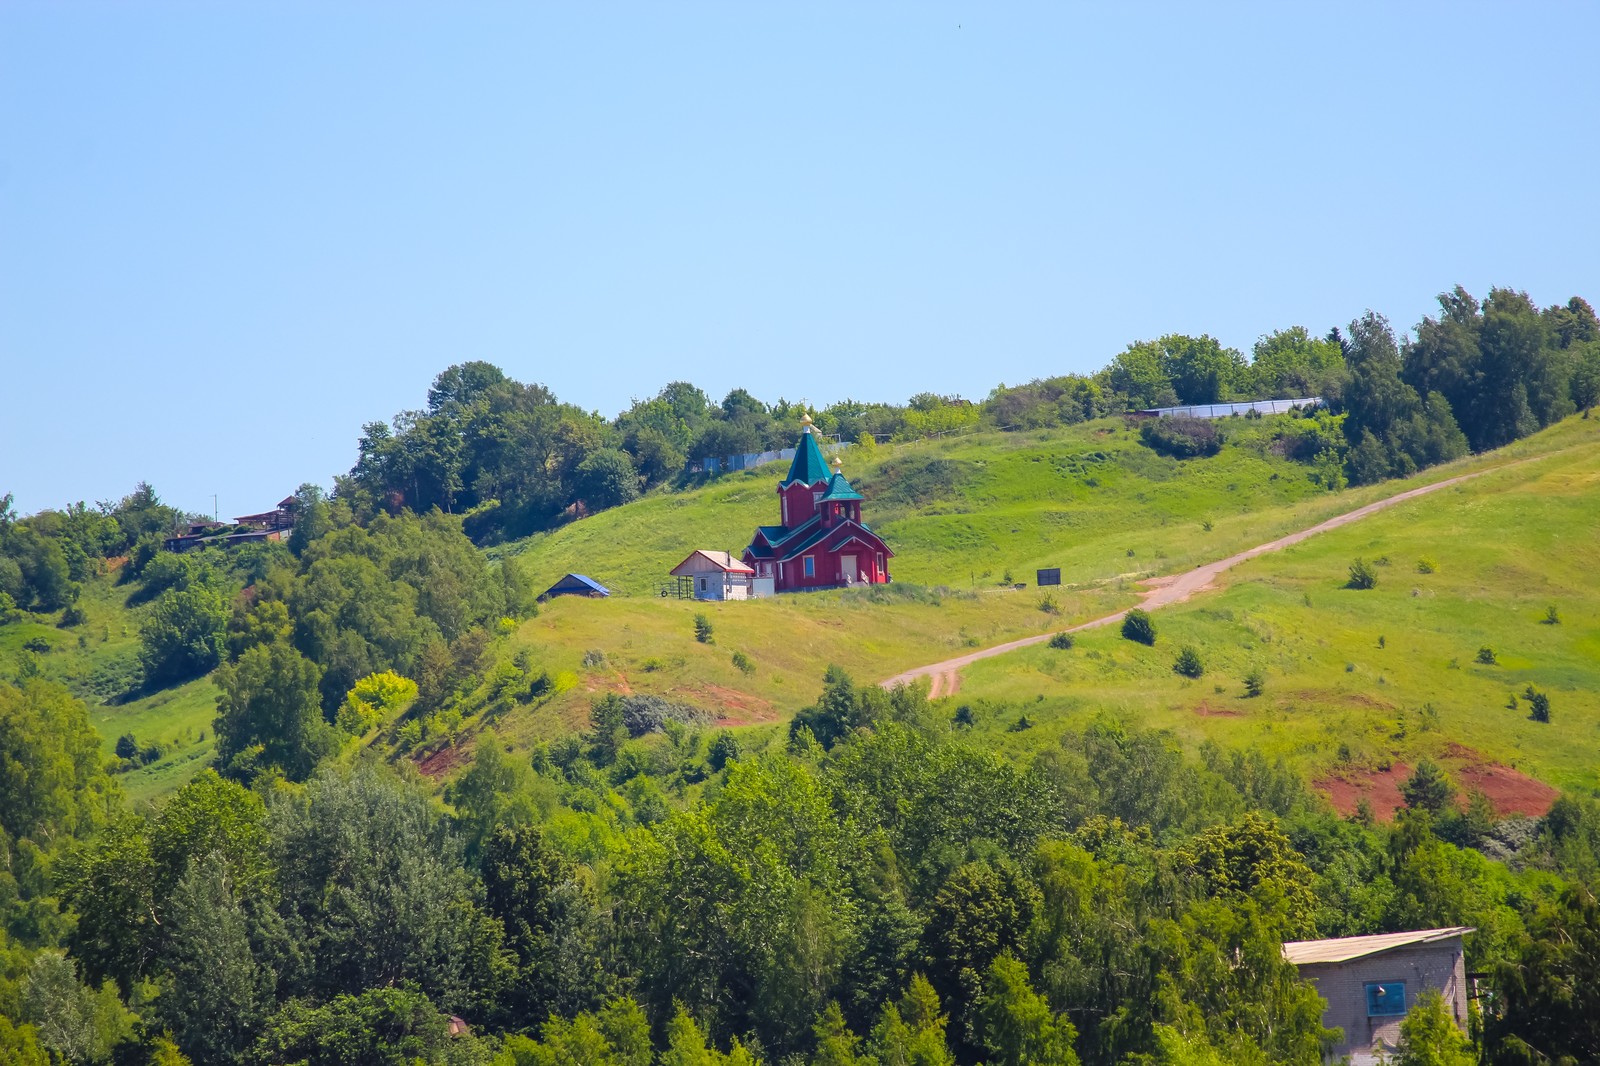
216	512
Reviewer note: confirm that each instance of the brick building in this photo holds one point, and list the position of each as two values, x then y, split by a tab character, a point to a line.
1370	982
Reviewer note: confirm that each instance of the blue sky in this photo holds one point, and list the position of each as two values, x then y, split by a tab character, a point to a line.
232	233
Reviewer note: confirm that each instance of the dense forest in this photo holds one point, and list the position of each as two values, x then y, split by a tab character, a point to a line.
871	887
894	895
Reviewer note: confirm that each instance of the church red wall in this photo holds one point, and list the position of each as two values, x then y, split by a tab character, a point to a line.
826	573
802	503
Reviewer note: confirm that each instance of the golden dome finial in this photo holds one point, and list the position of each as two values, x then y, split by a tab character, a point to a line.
805	420
838	463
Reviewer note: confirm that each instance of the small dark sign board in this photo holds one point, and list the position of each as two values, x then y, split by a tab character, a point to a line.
1051	576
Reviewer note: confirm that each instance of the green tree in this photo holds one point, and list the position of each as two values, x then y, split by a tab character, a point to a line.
52	785
1524	381
980	913
911	1033
1429	1036
1140	373
110	886
75	1022
1586	377
724	748
1427	789
1188	663
184	635
374	892
211	816
217	994
497	792
19	1045
1392	428
269	714
588	1039
1253	859
1547	995
836	712
1223	973
1018	1027
311	517
380	1027
1137	625
1200	368
687	1046
550	922
1291	364
606	478
374	699
461	386
836	1044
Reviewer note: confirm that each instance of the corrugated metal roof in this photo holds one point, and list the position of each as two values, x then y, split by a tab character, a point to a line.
721	560
1345	948
575	581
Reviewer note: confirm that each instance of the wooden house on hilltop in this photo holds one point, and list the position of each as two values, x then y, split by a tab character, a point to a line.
713	575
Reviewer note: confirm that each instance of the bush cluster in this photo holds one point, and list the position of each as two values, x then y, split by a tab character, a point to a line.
1181	437
1138	626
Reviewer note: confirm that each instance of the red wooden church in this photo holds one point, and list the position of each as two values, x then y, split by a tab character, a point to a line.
821	542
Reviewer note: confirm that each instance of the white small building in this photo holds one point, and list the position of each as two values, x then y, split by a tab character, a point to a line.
715	576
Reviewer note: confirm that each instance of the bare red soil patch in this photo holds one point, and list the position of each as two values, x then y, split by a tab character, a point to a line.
442	762
1380	788
1510	791
1207	709
737	708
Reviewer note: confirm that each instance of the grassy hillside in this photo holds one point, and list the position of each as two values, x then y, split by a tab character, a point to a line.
1359	684
99	662
964	511
965	514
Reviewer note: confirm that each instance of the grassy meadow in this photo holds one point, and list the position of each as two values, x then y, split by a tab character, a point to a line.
967	512
972	517
99	662
1356	679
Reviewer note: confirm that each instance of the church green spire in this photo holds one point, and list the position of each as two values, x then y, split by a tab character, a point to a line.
808	467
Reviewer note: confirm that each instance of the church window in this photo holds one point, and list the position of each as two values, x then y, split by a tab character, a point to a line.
811	566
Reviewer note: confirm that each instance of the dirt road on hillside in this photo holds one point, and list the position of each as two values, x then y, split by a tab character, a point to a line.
1162	591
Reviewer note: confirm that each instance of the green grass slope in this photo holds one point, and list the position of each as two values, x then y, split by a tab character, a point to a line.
964	513
959	513
1358	681
99	661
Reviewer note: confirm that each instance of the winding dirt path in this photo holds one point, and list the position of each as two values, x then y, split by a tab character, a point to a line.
1163	591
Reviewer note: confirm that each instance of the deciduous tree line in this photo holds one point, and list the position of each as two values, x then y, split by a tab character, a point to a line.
513	458
879	889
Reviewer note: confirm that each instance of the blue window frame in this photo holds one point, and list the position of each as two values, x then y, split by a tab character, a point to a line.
1385	998
811	566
